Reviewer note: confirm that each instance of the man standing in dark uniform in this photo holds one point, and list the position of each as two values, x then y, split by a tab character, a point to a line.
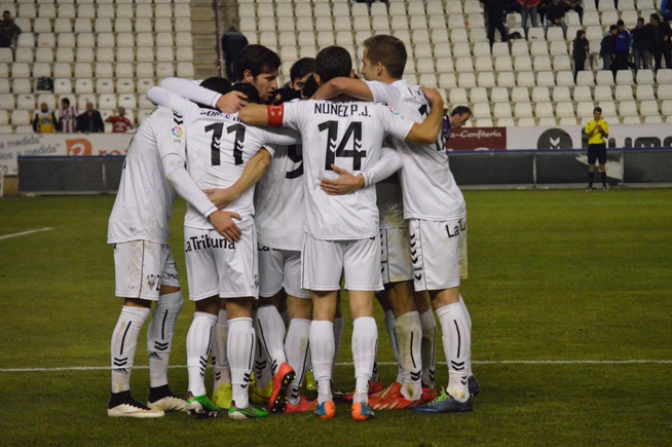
233	43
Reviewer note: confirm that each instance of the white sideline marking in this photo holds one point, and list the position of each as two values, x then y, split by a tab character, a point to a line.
476	362
23	233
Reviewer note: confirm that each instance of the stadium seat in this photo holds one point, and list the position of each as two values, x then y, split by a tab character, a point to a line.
482	110
107	101
586	78
624	77
21	85
522	63
582	93
66	40
503	63
506	79
521	110
484	63
585	109
562	63
447	80
20	118
546	79
25	101
84	98
24	55
664	76
458	96
645	77
103	70
104	55
83	70
558	49
44	55
653	119
525	79
505	122
486	80
83	86
666	108
62	69
649	108
604	77
20	70
542	63
144	84
624	93
627	108
105	40
42	25
85	40
7	101
185	70
564	110
464	65
42	69
603	93
664	92
466	80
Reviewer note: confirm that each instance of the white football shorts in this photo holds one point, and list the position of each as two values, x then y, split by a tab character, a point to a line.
142	267
435	253
280	269
218	267
322	263
395	256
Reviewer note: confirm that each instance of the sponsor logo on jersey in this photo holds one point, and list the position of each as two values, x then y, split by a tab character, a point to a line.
177	132
396	113
204	241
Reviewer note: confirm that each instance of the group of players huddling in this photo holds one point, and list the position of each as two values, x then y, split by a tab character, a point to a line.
354	185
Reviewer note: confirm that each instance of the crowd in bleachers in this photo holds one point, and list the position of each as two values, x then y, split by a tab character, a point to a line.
107	53
110	52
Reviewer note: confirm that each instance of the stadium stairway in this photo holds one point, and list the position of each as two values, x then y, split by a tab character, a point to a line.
204	33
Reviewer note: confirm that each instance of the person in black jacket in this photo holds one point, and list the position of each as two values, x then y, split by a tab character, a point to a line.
555	15
494	15
607	47
90	121
579	52
233	44
640	45
659	36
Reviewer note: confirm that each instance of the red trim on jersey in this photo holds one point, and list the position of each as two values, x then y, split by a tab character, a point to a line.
275	114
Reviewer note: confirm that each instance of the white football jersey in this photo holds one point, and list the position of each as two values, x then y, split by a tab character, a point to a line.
428	187
280	216
145	198
218	149
348	135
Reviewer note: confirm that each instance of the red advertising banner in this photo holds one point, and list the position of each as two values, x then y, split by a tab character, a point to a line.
477	139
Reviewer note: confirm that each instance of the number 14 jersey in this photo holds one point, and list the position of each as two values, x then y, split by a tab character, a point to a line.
348	135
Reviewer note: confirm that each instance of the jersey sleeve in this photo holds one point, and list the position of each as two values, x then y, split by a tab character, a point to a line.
389	163
163	97
282	137
293	112
189	90
186	187
394	123
384	93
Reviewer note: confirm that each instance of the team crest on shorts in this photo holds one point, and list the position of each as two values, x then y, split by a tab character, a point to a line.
256	281
151	280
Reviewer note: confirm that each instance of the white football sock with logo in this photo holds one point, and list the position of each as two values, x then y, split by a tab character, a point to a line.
124	341
160	336
297	349
322	346
364	344
220	361
240	346
457	346
408	332
428	349
199	339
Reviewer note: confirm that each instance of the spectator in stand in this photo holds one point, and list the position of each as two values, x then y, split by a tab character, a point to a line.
666	11
528	8
579	52
45	120
622	47
575	5
494	15
120	124
555	15
233	43
67	117
639	45
9	31
607	47
658	36
90	121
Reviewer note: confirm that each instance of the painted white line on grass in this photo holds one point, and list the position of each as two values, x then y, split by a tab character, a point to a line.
23	233
475	362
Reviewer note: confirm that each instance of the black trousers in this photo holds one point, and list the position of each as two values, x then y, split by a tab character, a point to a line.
658	56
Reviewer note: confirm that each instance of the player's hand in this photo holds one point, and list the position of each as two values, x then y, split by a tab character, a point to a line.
232	102
433	96
224	224
344	184
221	198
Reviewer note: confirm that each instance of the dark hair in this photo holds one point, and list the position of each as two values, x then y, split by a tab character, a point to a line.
66	101
258	59
655	16
460	110
309	87
389	51
301	68
6	12
597	109
217	84
620	23
332	62
249	90
284	95
612	28
640	19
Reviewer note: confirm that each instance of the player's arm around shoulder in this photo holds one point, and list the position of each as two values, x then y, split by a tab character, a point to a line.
428	131
342	85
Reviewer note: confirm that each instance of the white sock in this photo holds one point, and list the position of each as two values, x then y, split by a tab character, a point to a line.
240	346
466	311
428	348
160	336
271	332
339	325
124	342
297	349
408	332
457	346
364	344
389	325
199	339
261	367
220	361
322	346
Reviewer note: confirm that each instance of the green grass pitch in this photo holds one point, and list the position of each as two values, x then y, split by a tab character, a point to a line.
553	275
